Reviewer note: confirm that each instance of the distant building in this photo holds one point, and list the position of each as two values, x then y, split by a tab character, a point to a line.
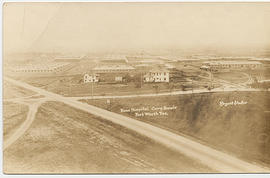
113	73
42	68
142	65
114	69
169	66
157	75
68	58
205	67
90	78
119	78
145	59
112	77
114	59
218	65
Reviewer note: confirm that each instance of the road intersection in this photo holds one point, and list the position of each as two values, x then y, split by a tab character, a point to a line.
213	158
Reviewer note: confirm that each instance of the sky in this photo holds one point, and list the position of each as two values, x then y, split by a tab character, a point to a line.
90	27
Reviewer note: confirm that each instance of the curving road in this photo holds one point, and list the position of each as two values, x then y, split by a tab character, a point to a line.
215	159
33	108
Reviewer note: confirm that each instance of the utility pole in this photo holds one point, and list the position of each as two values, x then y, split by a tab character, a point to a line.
92	89
211	79
141	79
92	81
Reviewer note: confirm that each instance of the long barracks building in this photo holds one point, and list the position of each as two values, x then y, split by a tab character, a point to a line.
217	65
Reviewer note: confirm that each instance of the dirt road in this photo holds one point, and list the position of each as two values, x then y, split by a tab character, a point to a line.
213	158
33	108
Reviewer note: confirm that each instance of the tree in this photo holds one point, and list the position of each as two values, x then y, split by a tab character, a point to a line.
127	78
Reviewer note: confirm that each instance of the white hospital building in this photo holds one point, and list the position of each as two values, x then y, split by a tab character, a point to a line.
90	78
157	76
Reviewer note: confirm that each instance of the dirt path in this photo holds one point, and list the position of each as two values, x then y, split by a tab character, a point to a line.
33	108
215	159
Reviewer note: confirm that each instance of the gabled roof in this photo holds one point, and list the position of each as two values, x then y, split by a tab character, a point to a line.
114	67
91	74
232	62
155	70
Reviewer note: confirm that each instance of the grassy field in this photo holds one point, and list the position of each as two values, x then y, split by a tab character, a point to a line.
232	76
13	116
72	86
10	91
264	72
242	129
70	83
66	140
191	69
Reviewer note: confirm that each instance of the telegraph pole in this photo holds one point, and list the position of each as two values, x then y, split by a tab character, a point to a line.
211	79
92	89
92	81
141	79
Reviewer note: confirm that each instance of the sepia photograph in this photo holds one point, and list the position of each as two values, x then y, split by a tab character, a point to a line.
135	87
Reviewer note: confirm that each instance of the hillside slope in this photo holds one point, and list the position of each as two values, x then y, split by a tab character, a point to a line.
235	122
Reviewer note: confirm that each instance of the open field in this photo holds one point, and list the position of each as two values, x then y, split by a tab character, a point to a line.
240	129
74	141
72	85
185	77
11	91
232	76
191	69
13	116
263	73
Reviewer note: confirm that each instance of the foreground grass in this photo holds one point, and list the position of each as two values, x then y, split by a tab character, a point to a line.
66	140
10	91
13	116
242	130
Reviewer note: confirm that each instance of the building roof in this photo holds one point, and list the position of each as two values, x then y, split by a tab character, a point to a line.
204	67
92	74
147	75
158	70
142	65
169	66
232	62
44	66
68	57
114	67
